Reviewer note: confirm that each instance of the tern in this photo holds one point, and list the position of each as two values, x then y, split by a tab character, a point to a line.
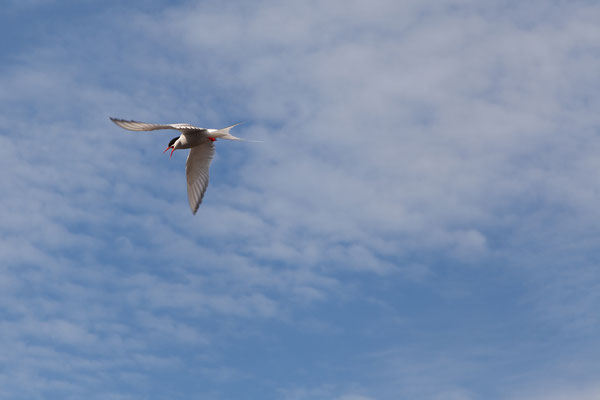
201	143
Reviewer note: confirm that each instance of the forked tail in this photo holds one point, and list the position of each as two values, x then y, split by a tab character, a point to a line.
224	134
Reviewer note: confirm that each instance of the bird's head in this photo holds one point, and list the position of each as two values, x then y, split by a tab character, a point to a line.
172	145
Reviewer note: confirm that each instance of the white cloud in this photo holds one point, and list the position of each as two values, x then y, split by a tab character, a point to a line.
353	397
412	135
395	133
580	392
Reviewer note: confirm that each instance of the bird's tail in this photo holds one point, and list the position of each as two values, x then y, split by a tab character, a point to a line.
224	134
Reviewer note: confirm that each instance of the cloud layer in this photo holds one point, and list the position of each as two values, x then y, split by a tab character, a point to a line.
420	221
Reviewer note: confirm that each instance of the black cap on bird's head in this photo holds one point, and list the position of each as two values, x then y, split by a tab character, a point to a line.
171	146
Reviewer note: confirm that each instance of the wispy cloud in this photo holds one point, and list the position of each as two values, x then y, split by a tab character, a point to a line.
422	164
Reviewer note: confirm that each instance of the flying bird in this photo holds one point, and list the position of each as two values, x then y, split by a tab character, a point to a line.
201	143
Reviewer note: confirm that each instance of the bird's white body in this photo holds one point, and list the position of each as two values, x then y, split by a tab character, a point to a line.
200	141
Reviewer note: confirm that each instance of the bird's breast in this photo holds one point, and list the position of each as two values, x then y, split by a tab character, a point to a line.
189	141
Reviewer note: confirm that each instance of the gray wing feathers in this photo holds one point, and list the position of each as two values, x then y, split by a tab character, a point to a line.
139	126
196	171
143	126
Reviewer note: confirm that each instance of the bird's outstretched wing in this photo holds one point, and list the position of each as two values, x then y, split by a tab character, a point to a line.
196	171
143	126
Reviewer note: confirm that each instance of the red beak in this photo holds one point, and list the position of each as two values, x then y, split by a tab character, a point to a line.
170	147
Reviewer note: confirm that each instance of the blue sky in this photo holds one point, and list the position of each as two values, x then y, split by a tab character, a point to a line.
420	221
